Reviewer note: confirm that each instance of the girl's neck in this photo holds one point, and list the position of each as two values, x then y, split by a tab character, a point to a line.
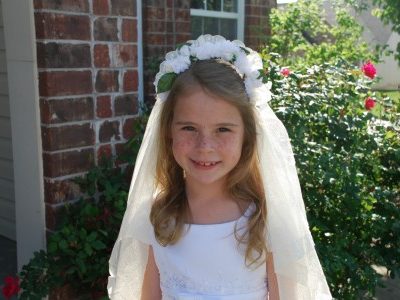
206	194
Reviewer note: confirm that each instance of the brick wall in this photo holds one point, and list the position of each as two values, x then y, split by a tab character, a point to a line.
166	23
256	26
88	85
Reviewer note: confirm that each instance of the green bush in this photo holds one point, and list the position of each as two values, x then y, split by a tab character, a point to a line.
301	35
348	165
77	254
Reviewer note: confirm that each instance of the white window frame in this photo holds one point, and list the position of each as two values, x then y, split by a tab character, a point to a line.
239	16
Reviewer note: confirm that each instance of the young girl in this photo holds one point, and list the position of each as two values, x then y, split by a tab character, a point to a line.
215	208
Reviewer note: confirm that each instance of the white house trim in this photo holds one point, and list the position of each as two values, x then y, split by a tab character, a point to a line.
140	49
19	30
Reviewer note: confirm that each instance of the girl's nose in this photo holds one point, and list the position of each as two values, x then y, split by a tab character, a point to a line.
205	141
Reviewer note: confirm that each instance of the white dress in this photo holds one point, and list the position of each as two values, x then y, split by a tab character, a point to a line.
207	264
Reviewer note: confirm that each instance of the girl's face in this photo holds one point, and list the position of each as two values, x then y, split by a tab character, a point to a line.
207	137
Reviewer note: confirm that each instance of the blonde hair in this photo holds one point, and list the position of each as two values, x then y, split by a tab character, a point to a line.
244	184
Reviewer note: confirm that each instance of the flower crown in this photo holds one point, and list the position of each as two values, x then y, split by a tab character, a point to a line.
247	63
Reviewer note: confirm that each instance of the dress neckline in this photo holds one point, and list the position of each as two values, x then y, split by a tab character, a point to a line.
245	214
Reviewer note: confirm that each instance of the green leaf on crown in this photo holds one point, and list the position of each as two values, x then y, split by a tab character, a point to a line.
165	82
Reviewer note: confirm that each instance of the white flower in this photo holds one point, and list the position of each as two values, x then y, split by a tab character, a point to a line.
247	63
180	64
166	67
184	50
172	55
242	63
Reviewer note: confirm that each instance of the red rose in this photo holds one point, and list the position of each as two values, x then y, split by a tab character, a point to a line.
369	70
369	103
11	287
285	72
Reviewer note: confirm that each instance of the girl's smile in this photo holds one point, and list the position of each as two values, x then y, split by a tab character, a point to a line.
207	136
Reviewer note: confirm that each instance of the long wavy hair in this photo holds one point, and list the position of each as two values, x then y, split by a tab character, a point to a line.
244	184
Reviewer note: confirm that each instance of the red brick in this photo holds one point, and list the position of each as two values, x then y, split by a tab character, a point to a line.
120	150
103	107
129	30
101	56
182	27
65	5
66	110
61	83
178	15
153	13
130	81
123	7
105	29
124	55
58	55
155	39
107	81
126	105
128	129
153	52
252	20
60	26
101	7
172	39
157	3
182	15
59	191
155	26
256	10
109	131
68	136
104	152
68	162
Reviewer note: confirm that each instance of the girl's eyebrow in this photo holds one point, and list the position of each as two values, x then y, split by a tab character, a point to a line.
225	124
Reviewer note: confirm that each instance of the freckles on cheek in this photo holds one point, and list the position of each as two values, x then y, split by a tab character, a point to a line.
181	142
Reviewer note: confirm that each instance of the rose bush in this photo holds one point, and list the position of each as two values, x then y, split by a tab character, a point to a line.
348	163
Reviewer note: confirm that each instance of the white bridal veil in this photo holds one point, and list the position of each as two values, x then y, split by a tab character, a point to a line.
298	270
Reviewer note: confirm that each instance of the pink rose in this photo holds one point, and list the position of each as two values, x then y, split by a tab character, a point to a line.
369	103
11	287
285	72
369	70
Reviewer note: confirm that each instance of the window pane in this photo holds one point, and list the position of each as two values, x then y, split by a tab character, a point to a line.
228	28
230	6
205	25
196	26
214	5
199	4
211	26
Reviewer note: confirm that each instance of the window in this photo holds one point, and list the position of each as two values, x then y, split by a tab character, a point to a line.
223	17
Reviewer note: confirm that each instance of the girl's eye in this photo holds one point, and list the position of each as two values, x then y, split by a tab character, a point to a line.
223	129
189	128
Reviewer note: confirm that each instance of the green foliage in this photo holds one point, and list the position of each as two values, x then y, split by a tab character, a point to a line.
348	164
302	36
165	82
78	253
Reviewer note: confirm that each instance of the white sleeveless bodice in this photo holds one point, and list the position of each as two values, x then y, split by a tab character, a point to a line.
206	264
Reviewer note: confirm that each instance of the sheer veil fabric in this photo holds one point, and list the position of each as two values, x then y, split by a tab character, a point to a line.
298	270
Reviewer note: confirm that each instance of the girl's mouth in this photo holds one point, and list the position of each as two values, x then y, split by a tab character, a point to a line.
205	164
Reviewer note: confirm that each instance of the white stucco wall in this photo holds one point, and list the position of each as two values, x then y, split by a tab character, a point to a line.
376	33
